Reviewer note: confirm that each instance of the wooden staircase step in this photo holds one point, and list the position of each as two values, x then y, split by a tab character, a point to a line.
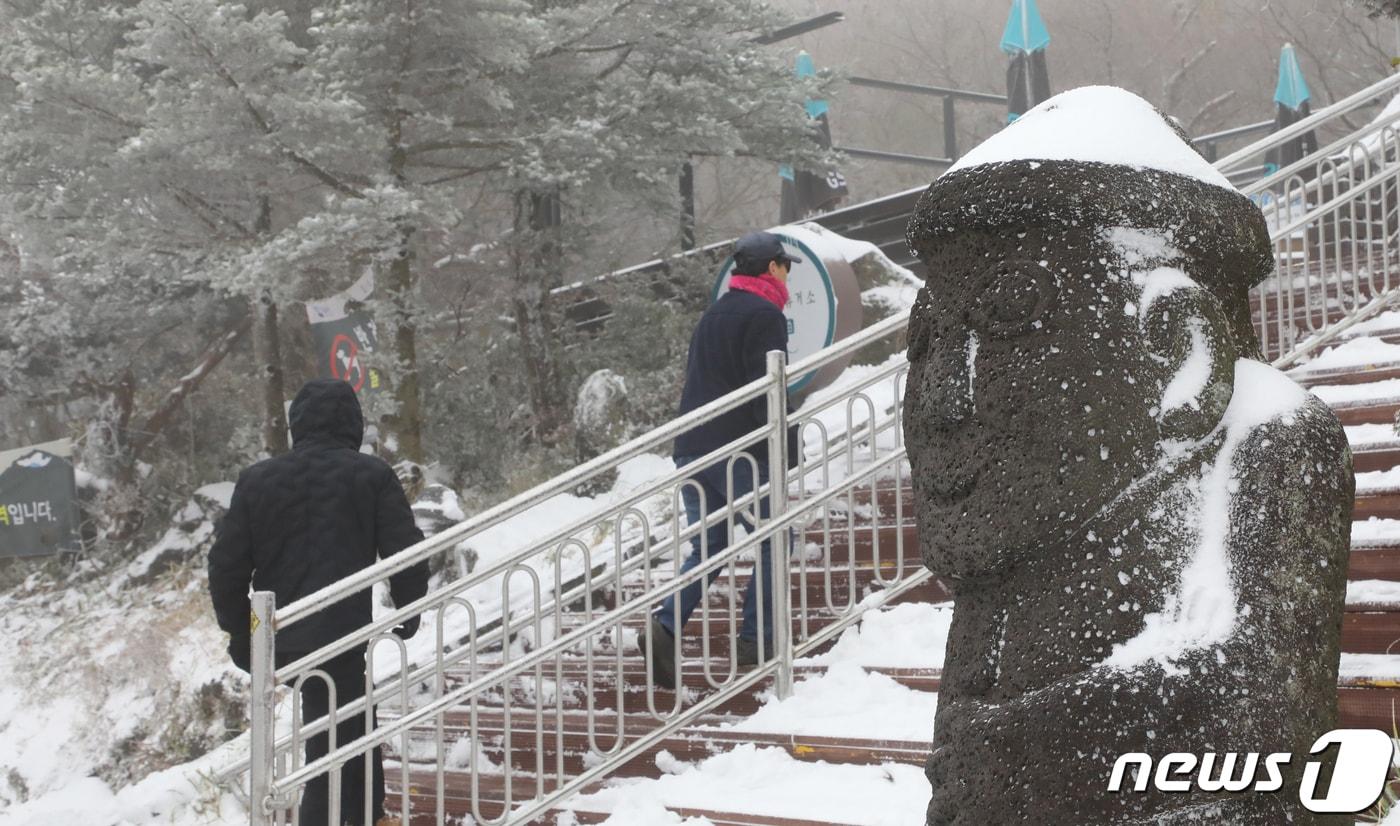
634	677
1371	632
1383	503
1367	411
845	590
1364	706
804	747
1374	562
1390	335
1350	374
886	495
1380	457
458	792
572	747
1373	595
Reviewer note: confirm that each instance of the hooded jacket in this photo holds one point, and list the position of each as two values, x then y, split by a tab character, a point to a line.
301	521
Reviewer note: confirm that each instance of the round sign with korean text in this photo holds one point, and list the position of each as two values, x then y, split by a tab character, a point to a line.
814	311
823	301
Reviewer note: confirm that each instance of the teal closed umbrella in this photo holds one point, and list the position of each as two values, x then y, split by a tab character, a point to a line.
1025	39
1292	104
805	192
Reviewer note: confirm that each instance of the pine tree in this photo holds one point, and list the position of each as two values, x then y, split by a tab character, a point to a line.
175	171
551	108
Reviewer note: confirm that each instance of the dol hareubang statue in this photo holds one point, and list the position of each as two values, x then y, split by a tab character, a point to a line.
1144	526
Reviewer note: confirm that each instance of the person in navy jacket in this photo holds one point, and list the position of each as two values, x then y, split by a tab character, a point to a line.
728	350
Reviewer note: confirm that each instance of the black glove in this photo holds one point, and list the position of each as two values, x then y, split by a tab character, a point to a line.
408	628
240	651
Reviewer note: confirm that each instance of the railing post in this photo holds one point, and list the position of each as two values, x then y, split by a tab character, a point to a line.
261	731
950	129
777	502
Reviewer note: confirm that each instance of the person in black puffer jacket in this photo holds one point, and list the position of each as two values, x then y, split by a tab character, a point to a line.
298	523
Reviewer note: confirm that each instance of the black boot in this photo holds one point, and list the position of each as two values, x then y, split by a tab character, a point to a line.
663	653
746	651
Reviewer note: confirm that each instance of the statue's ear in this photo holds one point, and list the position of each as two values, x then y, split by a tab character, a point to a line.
1185	330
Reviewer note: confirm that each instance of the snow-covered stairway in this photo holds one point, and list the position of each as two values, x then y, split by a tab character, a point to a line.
501	732
1360	378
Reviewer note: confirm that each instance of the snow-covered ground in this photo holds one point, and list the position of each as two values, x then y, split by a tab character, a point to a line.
104	679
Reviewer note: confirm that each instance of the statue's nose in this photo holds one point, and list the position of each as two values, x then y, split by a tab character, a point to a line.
948	376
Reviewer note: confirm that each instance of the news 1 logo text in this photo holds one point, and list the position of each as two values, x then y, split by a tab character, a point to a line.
1360	769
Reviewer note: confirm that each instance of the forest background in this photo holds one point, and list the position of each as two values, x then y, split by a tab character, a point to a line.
178	177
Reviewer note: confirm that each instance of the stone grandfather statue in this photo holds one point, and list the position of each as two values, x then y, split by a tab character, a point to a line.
1144	526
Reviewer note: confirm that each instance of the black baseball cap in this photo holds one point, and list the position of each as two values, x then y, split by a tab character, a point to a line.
762	247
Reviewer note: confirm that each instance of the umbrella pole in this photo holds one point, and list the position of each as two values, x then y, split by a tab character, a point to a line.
1026	39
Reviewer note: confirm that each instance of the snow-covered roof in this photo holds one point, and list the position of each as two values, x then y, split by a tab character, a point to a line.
1102	124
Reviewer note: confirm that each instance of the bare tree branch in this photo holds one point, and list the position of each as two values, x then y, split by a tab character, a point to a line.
156	423
1171	89
443	145
1204	114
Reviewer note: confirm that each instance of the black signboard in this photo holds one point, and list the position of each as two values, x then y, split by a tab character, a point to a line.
38	501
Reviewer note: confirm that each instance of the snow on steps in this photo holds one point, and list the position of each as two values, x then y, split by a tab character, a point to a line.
1366	397
1360	379
858	553
1365	691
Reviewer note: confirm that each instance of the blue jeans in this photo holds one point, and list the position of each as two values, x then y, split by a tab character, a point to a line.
712	480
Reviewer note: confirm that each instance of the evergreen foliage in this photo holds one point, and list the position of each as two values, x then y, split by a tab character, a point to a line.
168	166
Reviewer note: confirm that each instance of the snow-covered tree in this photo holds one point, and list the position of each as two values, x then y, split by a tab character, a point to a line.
176	171
1378	8
550	111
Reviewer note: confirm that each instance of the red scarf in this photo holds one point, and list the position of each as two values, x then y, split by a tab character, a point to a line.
762	285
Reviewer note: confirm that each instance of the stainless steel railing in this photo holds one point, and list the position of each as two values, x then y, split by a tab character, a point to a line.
1334	221
534	644
561	569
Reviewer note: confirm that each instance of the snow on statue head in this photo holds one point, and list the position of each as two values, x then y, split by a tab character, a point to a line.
1145	528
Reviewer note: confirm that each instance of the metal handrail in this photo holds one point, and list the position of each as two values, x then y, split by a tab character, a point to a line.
560	645
1336	147
383	734
492	635
927	90
1233	132
1372	309
1338	253
1313	121
381	570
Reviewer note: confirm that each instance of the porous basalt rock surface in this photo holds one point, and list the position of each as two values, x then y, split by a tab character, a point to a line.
1145	538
